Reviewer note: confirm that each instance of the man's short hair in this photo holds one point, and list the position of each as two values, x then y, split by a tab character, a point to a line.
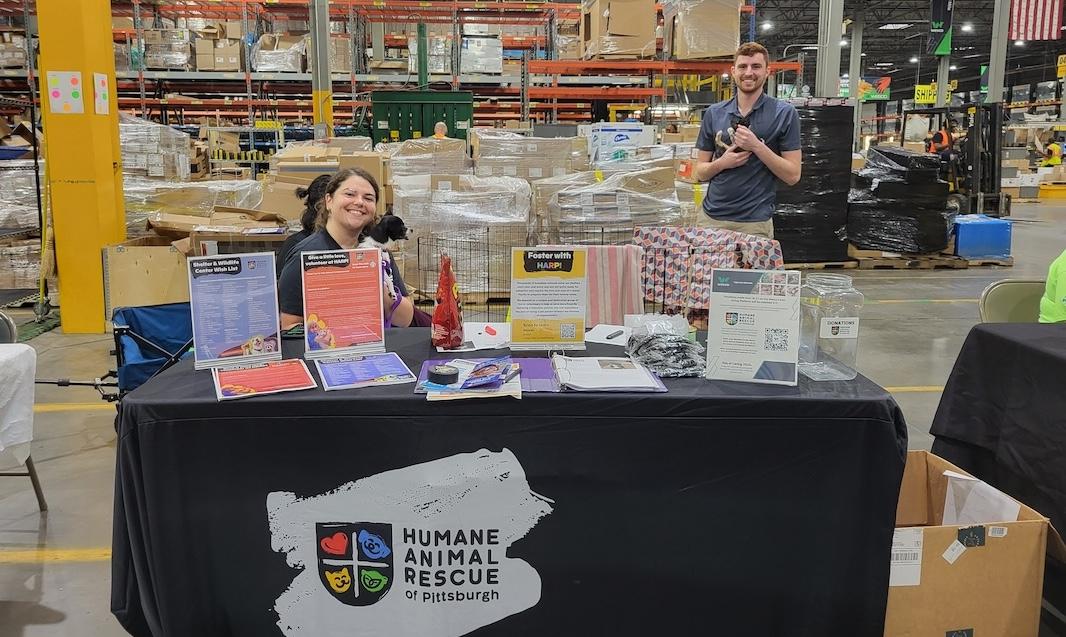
750	49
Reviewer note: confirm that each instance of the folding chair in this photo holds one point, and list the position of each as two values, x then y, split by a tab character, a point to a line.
149	340
1012	301
9	334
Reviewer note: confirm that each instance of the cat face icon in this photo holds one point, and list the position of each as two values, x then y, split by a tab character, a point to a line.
340	581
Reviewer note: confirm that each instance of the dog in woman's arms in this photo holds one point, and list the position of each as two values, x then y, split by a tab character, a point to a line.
385	235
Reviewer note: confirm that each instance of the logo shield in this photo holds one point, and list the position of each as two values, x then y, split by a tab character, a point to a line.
835	330
355	560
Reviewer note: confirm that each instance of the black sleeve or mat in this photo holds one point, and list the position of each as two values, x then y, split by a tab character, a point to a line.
716	508
1002	415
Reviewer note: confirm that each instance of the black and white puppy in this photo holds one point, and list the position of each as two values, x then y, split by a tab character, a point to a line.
384	235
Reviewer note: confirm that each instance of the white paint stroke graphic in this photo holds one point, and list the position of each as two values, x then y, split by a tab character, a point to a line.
480	490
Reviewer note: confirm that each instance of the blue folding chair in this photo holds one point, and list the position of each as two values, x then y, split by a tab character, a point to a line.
148	340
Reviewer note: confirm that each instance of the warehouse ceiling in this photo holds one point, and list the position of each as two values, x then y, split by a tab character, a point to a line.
796	22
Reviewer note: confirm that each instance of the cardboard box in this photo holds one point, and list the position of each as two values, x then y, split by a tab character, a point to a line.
232	29
523	168
698	29
20	264
144	271
369	161
354	144
205	62
618	28
280	198
673	138
204	47
481	55
228	56
970	579
222	217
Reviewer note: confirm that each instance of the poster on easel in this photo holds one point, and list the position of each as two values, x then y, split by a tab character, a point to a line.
234	305
753	326
343	304
549	292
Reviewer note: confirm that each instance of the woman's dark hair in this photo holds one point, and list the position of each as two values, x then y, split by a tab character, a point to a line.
335	183
311	195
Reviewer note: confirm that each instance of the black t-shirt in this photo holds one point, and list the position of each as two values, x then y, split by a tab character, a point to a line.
286	248
290	284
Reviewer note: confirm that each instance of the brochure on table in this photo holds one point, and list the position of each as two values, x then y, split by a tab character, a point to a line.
271	377
548	298
234	305
349	372
753	326
480	378
342	293
536	375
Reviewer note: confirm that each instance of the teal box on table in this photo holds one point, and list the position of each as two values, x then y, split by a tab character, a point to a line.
980	236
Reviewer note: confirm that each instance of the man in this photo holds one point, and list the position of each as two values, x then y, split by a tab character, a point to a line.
440	130
746	144
1052	155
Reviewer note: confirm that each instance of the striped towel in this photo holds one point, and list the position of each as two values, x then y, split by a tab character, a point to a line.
614	284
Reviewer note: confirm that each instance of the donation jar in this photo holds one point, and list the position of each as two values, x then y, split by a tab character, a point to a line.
829	327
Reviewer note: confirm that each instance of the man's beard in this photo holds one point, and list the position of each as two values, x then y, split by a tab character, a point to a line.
758	86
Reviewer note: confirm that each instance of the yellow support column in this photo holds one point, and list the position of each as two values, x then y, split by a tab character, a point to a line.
81	152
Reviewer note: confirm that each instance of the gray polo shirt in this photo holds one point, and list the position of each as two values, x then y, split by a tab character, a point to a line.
748	192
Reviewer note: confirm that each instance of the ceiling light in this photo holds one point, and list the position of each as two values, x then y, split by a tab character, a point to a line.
883	64
914	60
862	55
845	76
953	68
967	27
972	55
725	76
766	26
810	48
843	43
1019	43
893	26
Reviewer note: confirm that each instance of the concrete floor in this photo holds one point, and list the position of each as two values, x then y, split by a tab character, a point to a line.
913	326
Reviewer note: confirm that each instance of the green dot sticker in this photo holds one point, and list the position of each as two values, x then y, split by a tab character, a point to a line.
75	94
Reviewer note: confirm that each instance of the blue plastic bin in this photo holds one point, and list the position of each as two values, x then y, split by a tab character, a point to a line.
982	237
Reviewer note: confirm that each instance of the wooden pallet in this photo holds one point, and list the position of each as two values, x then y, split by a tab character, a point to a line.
823	265
976	263
932	262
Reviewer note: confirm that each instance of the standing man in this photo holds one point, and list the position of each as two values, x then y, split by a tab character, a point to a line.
746	144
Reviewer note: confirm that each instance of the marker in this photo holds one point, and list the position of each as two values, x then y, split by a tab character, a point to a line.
614	334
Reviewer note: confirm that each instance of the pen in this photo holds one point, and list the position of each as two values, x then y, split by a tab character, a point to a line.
613	334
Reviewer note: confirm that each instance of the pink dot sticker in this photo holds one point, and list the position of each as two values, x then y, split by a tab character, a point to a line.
55	94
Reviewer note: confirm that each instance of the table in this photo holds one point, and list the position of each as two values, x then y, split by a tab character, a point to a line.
18	365
1002	415
740	508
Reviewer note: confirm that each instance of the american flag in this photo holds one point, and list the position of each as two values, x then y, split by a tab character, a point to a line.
1035	19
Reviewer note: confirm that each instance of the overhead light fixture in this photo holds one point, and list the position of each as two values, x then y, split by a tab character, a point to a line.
843	43
1019	43
894	26
914	60
967	27
862	55
972	55
883	64
766	26
810	48
953	68
844	77
725	76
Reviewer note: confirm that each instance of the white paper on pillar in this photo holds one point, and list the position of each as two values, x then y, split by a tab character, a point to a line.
66	93
100	91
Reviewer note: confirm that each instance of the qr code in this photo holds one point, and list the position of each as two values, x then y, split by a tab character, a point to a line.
776	339
568	330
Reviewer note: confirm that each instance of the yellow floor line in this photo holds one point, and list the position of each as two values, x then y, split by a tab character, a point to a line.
915	389
33	556
44	408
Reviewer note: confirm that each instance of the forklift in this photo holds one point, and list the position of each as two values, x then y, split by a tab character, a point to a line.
973	173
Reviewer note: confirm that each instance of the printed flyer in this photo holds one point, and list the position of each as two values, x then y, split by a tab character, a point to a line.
342	293
234	304
349	372
753	326
549	292
265	378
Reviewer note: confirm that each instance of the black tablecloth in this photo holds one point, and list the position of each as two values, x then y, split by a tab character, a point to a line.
734	508
1002	415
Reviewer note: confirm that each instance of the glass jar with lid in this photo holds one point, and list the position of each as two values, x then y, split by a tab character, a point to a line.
829	327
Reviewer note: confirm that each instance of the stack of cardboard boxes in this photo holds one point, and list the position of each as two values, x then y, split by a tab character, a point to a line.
153	150
567	40
439	54
168	49
698	29
280	52
12	50
618	29
340	54
504	154
218	45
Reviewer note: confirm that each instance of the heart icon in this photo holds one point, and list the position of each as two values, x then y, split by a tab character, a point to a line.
336	544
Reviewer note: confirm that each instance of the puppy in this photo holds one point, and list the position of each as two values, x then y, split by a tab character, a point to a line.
384	235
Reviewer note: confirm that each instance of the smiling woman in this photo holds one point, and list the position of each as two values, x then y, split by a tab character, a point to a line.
348	209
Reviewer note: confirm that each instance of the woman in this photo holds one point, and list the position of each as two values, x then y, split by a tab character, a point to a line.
347	209
311	196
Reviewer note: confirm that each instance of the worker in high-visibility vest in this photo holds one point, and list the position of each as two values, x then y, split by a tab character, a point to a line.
941	142
1052	154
